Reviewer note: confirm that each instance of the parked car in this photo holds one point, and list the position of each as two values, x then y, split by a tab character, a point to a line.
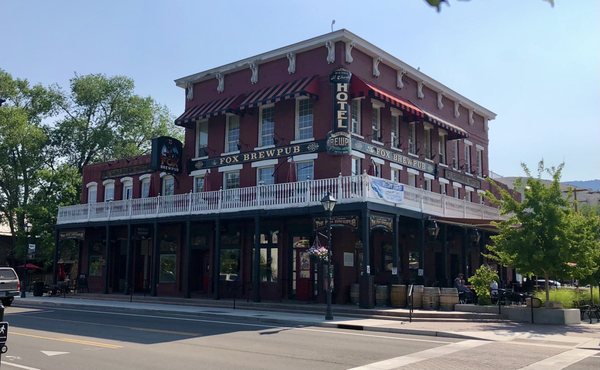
542	283
9	285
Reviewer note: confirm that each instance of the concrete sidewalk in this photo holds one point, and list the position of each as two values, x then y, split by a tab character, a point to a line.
580	336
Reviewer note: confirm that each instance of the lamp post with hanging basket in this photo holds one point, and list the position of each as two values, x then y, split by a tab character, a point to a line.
328	203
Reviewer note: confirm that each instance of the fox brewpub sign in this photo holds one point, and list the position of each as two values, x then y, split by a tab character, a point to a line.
166	154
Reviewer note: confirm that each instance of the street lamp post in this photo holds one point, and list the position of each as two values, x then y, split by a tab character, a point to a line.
328	203
25	277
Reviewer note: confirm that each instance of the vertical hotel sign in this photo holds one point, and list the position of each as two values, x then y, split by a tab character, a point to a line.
338	140
166	154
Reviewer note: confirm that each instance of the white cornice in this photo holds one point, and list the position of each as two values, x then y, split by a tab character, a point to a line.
346	37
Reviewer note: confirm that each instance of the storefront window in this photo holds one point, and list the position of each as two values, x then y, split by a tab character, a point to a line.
387	257
230	264
168	268
269	262
96	260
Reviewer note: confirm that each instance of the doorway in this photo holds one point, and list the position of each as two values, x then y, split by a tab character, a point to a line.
301	269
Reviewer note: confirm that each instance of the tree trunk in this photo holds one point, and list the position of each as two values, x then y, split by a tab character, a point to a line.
547	283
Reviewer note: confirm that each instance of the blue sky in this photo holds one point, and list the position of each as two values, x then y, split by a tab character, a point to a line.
536	66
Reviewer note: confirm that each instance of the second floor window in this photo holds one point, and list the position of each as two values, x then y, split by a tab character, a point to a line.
356	166
427	143
266	126
479	162
305	170
266	175
168	185
232	139
304	119
109	191
376	123
395	175
395	133
92	194
412	138
127	190
202	139
442	148
145	190
467	158
455	154
198	184
231	180
355	115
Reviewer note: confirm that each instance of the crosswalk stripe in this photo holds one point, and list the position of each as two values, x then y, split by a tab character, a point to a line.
394	363
561	360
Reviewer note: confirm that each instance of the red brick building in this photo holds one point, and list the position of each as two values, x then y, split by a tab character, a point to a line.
266	138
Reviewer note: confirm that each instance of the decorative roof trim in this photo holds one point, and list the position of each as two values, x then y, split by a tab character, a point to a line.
344	36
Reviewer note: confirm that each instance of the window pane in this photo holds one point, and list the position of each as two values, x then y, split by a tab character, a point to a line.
305	119
267	126
145	188
304	171
198	184
355	114
168	185
412	138
92	194
265	175
376	123
202	138
356	170
268	264
230	264
232	180
168	268
427	142
442	149
233	133
395	139
109	192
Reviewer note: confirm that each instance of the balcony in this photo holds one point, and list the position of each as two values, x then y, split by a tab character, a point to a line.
348	189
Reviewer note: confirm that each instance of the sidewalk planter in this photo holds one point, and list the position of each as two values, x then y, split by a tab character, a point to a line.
382	295
354	289
417	296
431	298
448	298
398	296
523	314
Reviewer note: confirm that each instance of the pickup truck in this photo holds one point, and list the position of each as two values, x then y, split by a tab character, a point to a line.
9	285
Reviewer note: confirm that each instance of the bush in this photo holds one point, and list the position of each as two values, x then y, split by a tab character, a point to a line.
481	283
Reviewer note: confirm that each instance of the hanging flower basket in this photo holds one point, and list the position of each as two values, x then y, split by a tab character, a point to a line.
318	251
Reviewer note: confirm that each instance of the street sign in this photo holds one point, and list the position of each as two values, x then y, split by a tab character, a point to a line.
31	248
3	331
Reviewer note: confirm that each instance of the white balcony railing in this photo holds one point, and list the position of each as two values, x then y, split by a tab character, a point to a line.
348	189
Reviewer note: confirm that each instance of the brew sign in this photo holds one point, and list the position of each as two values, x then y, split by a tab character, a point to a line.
340	79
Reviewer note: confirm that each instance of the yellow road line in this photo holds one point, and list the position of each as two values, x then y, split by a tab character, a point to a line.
71	340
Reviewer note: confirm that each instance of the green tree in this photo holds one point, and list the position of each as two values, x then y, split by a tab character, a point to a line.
104	120
543	235
22	143
481	281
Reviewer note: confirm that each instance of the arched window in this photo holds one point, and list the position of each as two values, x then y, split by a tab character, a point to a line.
92	192
109	190
168	185
127	188
145	186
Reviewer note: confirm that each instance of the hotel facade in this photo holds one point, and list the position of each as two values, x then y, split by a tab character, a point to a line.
235	209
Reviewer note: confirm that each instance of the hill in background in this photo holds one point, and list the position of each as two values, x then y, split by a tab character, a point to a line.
589	184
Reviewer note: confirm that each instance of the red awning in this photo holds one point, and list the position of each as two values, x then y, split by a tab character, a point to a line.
304	87
361	88
206	110
454	132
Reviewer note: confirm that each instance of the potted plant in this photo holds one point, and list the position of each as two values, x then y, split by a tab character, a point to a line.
481	281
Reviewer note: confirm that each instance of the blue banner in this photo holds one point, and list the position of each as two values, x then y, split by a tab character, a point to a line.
387	190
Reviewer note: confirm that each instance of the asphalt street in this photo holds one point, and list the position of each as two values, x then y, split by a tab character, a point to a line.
94	338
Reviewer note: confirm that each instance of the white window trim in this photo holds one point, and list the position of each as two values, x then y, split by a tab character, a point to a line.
194	182
265	163
456	184
377	104
106	182
396	166
468	142
378	160
305	157
412	171
443	181
359	117
260	124
144	176
90	184
468	188
429	176
203	172
197	139
358	154
477	146
226	143
126	179
233	167
296	119
480	192
163	174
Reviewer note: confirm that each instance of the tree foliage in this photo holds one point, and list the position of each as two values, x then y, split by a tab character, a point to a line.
544	235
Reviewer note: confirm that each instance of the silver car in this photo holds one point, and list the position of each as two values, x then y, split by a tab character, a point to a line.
9	285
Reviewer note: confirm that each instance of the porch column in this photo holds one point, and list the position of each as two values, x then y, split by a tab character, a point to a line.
155	260
445	248
56	255
107	263
366	297
217	259
395	250
256	261
128	262
465	260
421	270
187	260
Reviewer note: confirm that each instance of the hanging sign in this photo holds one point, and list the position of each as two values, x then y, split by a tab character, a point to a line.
336	221
385	223
387	190
166	154
338	140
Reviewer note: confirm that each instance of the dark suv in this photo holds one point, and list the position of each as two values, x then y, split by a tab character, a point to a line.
9	285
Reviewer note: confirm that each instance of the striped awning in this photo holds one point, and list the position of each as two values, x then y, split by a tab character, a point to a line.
361	88
202	111
303	87
454	132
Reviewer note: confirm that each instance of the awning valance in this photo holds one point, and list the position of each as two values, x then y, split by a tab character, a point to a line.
361	88
303	87
206	110
454	132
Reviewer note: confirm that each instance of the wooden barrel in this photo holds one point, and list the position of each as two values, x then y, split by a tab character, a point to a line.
381	295
431	298
417	296
398	296
354	289
448	298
